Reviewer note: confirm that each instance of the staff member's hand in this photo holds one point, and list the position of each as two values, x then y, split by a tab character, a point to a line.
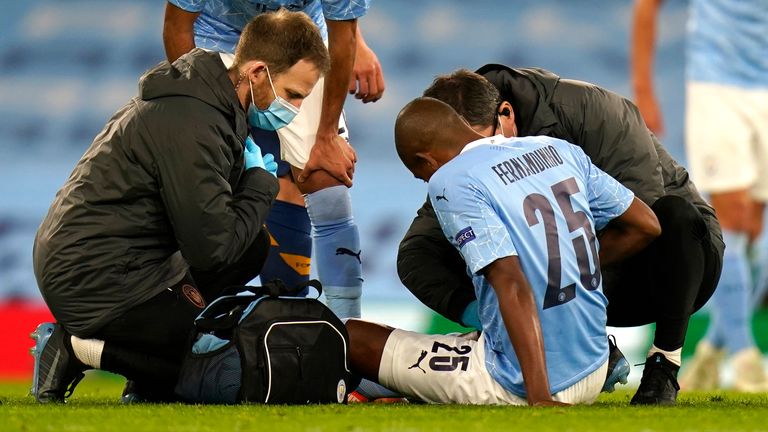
254	158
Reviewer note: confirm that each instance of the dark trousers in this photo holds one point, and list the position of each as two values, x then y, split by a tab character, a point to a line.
670	279
147	343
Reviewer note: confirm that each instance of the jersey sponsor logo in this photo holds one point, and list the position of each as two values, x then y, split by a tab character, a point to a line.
193	296
418	362
465	236
299	263
345	251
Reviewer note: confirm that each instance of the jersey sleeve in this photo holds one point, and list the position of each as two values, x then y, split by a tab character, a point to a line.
470	222
340	10
189	5
608	199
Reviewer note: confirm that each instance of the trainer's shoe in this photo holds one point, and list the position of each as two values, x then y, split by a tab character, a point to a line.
135	393
702	372
57	370
749	372
618	367
658	386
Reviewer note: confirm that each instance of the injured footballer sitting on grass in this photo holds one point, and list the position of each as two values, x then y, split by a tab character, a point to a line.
523	213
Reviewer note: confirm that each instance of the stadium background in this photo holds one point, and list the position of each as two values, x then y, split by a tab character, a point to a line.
66	66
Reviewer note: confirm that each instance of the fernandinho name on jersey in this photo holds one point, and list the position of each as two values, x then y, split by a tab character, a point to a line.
534	162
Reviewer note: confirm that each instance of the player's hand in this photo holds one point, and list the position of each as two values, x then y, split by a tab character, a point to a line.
367	81
333	155
649	108
550	403
349	151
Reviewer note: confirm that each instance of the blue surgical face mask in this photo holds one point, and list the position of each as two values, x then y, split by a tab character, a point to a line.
277	115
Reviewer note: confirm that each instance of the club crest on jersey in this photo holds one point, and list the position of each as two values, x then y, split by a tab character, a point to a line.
464	236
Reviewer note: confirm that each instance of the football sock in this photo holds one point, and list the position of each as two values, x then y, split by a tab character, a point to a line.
88	351
337	249
674	356
371	390
730	325
758	260
290	245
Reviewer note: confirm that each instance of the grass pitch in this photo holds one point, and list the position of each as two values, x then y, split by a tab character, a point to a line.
95	407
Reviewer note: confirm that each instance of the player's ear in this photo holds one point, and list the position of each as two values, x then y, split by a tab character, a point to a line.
425	159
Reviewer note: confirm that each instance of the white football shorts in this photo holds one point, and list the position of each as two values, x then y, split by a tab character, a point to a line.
451	369
727	138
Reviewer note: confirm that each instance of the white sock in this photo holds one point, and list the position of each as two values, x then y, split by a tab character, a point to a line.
88	351
673	356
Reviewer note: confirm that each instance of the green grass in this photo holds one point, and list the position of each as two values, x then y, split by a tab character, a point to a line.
94	407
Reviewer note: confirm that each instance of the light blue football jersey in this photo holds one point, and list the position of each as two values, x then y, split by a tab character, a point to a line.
728	42
538	198
220	22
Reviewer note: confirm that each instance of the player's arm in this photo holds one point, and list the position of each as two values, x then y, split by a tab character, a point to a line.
642	50
629	233
331	153
521	319
625	223
178	31
367	81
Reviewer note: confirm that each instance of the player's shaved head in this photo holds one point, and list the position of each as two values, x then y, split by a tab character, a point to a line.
428	128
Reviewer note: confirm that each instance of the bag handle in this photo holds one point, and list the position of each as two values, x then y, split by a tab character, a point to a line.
276	288
225	312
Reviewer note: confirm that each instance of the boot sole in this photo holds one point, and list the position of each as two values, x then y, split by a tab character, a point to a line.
41	335
620	374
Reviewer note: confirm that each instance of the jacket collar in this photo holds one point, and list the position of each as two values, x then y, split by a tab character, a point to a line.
530	92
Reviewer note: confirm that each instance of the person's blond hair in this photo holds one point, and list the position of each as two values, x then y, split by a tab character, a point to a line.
280	39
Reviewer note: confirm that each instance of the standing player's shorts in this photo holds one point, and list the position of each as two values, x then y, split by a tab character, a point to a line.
297	139
451	369
727	138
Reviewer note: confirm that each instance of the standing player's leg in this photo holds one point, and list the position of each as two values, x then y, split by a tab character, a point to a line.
337	249
336	239
727	162
288	222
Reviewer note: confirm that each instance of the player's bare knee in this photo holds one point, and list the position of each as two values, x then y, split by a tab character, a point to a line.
734	210
289	191
316	181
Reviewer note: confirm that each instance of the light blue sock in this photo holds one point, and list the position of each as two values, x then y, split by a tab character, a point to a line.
758	259
372	390
337	249
730	305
